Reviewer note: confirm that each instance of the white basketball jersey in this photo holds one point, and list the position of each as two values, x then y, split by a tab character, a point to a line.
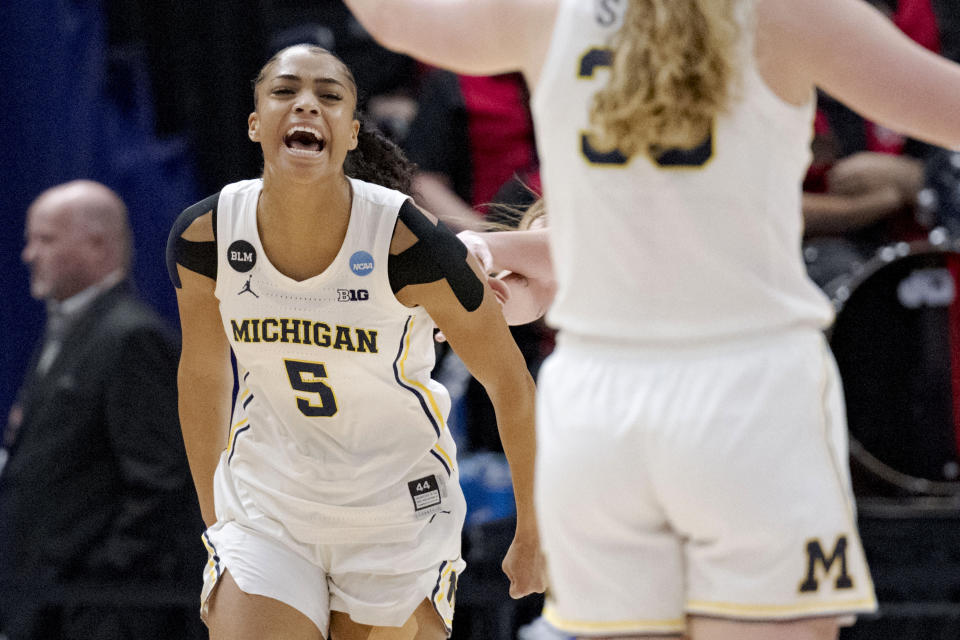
338	431
686	245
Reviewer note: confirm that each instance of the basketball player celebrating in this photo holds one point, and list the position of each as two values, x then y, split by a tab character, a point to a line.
691	423
334	510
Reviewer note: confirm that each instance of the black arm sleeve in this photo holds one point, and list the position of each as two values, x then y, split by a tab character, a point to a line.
436	255
199	257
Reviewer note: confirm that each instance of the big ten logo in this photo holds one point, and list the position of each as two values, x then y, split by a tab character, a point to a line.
819	562
242	256
352	295
927	287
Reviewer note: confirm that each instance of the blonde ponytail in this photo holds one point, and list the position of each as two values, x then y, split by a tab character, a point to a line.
672	69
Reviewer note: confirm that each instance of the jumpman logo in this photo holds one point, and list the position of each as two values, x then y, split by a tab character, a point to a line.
247	289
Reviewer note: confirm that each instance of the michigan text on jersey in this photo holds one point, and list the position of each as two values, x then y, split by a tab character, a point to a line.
296	331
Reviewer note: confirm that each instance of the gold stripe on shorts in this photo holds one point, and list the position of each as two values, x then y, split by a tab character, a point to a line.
613	626
773	610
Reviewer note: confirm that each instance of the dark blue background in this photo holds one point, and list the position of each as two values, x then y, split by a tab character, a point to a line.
66	113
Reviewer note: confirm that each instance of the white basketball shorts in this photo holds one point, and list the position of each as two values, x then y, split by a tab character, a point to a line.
701	480
378	584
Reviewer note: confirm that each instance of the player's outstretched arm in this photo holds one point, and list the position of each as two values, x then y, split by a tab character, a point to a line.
479	37
526	252
453	289
858	56
526	271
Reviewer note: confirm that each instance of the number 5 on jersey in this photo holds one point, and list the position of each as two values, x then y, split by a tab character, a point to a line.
308	377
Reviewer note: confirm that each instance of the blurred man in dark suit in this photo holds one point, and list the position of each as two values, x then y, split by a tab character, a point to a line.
98	522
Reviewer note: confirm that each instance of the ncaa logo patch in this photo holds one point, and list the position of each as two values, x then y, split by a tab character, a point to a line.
361	263
242	256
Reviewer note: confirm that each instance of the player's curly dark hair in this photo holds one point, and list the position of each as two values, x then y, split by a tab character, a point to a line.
379	160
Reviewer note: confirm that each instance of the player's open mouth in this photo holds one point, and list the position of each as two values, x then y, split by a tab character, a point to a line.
304	141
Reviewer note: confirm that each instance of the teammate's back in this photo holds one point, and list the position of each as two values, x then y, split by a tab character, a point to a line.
642	246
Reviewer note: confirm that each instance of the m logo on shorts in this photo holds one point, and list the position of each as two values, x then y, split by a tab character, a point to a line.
816	557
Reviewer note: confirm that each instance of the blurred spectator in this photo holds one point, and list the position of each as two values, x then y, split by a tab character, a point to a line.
471	136
862	186
98	523
473	141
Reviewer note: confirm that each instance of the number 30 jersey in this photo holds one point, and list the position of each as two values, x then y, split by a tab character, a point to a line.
338	432
672	246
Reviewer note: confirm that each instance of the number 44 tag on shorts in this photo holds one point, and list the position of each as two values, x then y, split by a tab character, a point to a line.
425	492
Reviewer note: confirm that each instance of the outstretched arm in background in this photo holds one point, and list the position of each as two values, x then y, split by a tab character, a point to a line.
433	191
858	56
844	46
477	37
